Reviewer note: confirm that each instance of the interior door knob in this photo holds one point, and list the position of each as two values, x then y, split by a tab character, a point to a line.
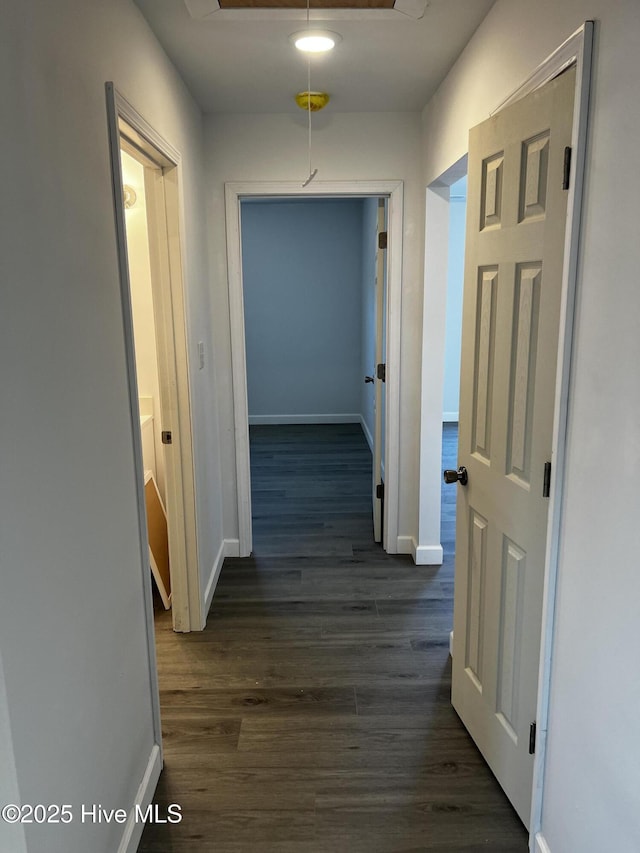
369	379
459	476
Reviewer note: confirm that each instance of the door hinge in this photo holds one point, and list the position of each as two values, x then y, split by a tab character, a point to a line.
546	480
380	491
382	239
381	372
167	438
532	738
566	172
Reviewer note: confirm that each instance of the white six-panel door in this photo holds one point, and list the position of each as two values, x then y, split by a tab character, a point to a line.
513	271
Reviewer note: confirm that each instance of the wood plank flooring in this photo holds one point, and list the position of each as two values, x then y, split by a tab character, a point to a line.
313	712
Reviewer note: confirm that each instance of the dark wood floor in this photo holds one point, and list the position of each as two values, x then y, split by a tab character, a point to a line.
313	712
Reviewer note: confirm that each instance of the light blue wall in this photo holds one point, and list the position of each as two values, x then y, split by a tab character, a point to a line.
368	349
302	275
455	275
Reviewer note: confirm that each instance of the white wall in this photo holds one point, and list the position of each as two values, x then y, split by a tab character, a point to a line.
301	270
592	796
72	633
455	276
368	290
365	146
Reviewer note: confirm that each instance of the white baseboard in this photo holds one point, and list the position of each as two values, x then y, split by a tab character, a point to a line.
228	548
367	432
213	580
133	827
406	545
429	555
232	547
541	845
450	417
423	555
305	419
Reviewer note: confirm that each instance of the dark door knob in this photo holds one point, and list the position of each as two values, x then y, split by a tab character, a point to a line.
369	379
459	476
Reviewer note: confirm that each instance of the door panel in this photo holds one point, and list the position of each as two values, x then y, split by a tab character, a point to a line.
513	276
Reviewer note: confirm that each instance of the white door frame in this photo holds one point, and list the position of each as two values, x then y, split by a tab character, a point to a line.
377	479
234	193
577	49
165	203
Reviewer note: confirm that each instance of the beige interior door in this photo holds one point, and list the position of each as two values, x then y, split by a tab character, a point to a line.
381	260
513	272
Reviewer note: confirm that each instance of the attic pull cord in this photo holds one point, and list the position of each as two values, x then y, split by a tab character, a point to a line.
315	171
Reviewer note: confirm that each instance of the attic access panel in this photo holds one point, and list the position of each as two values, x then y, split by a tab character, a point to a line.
294	10
302	4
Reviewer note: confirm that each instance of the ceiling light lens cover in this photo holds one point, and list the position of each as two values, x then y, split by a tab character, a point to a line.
315	41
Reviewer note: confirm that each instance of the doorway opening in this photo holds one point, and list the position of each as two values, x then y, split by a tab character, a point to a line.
147	359
445	212
246	200
457	197
313	331
145	173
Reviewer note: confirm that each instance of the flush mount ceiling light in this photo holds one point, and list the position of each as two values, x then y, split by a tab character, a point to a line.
315	41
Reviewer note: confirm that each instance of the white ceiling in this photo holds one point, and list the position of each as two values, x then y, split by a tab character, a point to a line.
243	62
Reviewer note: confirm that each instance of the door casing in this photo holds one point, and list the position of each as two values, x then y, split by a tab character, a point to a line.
235	192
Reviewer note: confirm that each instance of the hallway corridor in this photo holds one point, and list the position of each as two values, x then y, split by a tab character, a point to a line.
312	715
